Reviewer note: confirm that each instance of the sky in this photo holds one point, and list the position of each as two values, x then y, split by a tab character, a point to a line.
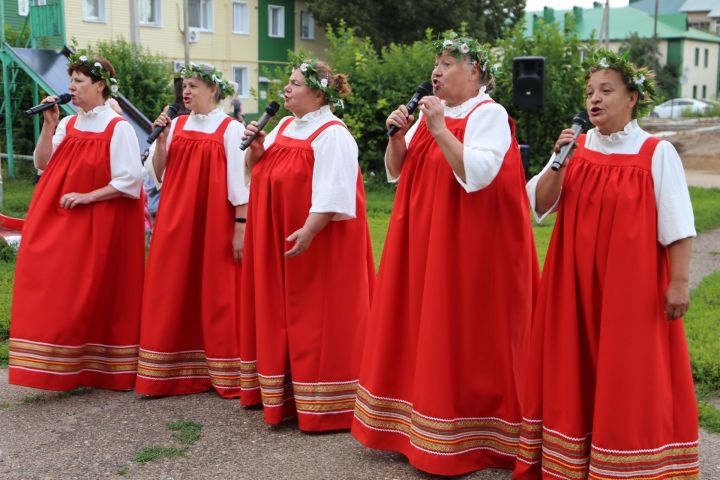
535	5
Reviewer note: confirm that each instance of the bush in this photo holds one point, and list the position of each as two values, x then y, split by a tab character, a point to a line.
702	323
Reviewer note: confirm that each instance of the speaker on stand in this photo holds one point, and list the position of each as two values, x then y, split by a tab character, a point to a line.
528	95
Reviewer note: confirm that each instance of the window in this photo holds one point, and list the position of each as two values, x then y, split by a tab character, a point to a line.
704	95
697	57
706	57
149	12
694	91
200	14
241	17
307	25
240	76
94	10
276	21
23	7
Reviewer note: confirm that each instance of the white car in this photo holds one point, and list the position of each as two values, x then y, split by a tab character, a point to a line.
679	107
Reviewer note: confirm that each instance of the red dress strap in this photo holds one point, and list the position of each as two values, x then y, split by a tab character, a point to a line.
181	121
322	128
648	150
110	128
220	131
71	124
489	100
285	125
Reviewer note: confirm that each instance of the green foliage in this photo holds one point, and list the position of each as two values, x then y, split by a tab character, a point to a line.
186	432
158	452
22	99
7	253
702	323
706	206
709	417
405	21
380	82
564	84
641	52
144	78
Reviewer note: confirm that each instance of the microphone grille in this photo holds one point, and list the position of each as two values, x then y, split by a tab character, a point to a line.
273	108
64	98
173	110
581	117
425	88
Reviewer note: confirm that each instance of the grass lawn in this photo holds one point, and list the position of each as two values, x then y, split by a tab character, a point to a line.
702	322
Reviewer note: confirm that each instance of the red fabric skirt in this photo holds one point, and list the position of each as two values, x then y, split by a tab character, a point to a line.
441	368
609	393
79	276
304	317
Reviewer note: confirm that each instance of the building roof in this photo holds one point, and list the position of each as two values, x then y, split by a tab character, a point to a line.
664	7
691	6
623	22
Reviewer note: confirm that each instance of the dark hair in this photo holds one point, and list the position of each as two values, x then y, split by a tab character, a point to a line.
85	69
337	81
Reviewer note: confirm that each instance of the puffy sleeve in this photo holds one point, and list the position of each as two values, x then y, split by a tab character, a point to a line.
237	190
58	137
674	211
408	137
125	166
335	173
149	168
531	189
487	140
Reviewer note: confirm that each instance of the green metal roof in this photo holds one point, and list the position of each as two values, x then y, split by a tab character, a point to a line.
623	22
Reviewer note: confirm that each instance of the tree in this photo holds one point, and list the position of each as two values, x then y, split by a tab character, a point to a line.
405	21
642	53
144	78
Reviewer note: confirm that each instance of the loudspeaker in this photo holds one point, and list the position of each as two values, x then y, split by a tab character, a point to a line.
529	82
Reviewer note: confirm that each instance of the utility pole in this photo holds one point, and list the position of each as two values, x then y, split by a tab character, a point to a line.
134	23
186	32
605	25
655	40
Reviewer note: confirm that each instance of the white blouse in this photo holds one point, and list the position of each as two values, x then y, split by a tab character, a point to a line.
125	166
336	165
674	211
237	190
486	141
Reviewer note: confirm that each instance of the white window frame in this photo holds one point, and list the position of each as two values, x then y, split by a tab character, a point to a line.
281	21
245	27
23	8
102	8
210	20
243	86
158	22
310	18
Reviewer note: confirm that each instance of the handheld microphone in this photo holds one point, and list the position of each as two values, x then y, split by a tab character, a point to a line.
425	88
270	112
578	124
172	112
61	100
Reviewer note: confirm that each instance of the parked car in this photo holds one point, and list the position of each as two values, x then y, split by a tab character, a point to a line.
679	107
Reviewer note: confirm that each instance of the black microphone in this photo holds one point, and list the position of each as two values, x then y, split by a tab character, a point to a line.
578	124
425	88
172	112
61	100
270	112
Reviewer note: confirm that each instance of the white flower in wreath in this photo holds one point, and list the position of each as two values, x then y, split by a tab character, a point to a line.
215	79
603	62
639	80
324	83
447	43
304	67
113	80
464	48
97	64
114	88
83	58
495	68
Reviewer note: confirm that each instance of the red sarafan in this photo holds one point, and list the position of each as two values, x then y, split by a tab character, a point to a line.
444	354
610	392
304	317
79	276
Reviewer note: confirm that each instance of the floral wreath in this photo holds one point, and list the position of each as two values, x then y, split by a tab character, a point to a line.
640	79
459	46
96	70
209	74
316	80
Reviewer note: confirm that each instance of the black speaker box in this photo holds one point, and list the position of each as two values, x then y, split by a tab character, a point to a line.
529	83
